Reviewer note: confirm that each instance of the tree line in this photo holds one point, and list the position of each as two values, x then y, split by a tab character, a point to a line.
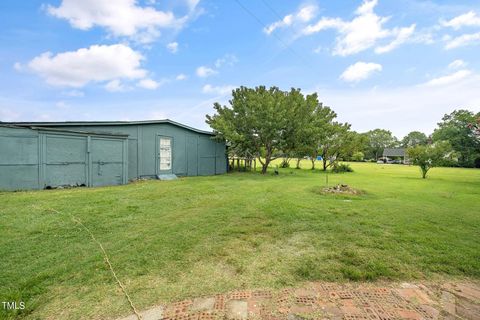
269	123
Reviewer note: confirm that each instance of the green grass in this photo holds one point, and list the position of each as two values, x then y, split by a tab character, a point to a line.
176	239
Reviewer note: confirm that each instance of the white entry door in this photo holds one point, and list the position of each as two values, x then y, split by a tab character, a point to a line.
165	156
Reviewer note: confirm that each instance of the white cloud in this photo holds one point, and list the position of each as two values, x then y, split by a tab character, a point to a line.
181	77
364	31
115	86
469	19
403	34
192	4
228	60
307	13
304	14
286	21
172	47
204	71
461	41
323	24
18	66
150	84
98	63
360	71
219	90
121	17
457	64
449	79
74	93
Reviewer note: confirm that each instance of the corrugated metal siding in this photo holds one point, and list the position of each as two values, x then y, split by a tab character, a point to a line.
19	159
193	153
31	159
34	159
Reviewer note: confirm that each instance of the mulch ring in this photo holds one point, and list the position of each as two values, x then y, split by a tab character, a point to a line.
319	300
341	189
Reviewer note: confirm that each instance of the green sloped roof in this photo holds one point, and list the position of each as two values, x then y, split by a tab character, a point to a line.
104	123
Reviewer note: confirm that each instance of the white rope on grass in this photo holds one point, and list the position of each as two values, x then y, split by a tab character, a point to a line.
105	256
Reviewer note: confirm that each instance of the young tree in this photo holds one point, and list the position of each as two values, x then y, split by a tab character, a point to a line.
414	138
429	156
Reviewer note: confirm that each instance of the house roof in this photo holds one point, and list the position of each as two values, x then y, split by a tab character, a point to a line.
103	123
394	152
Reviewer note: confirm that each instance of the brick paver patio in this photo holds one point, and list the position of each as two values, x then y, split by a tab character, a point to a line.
452	300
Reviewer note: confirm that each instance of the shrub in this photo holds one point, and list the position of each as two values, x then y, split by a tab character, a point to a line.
342	167
285	164
358	156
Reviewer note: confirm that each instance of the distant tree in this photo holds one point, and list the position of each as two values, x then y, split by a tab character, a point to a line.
378	140
429	156
358	156
359	145
456	128
413	139
475	127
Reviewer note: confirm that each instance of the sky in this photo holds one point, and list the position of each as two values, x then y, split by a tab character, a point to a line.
397	65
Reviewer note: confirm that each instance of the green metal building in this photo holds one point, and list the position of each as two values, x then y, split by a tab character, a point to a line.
39	155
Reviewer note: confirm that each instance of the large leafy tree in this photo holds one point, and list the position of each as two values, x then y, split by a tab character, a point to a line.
297	134
456	129
378	140
321	130
339	143
264	122
414	138
432	155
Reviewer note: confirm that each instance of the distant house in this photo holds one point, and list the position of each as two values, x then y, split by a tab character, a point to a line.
394	155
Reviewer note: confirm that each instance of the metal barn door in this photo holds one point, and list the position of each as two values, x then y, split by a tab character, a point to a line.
107	161
65	161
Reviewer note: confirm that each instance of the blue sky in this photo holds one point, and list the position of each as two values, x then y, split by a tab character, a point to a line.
398	65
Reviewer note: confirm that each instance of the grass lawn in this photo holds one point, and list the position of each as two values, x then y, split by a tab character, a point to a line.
202	235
